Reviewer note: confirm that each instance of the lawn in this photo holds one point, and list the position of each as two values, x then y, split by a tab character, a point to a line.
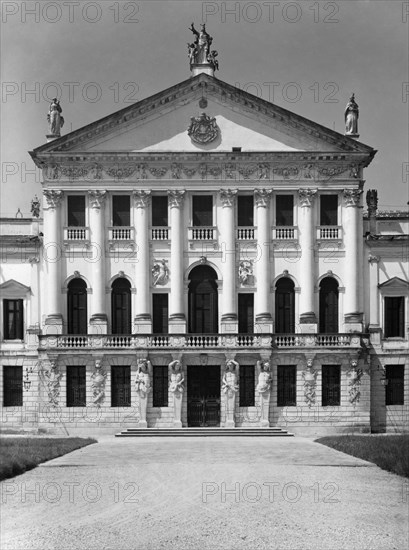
19	454
389	452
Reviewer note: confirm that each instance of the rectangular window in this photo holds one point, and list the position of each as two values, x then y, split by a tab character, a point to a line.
76	210
395	384
120	386
329	210
245	211
12	386
284	210
247	398
394	316
286	386
159	211
121	210
160	386
13	319
331	385
202	210
160	311
76	387
246	313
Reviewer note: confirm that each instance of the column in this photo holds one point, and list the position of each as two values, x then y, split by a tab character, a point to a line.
374	326
143	320
177	318
52	260
353	275
98	320
229	322
263	319
308	319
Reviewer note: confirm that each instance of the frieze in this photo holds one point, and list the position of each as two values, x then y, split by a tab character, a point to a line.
176	170
230	171
247	170
331	171
189	172
121	173
286	171
158	172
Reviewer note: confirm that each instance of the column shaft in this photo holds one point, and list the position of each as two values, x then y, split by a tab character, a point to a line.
353	315
177	319
262	301
142	266
229	302
97	229
307	262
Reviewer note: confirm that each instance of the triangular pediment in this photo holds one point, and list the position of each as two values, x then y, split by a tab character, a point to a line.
395	284
13	289
160	123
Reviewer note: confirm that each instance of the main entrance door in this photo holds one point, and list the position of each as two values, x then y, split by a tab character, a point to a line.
203	396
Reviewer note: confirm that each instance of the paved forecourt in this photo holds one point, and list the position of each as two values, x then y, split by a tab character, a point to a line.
240	493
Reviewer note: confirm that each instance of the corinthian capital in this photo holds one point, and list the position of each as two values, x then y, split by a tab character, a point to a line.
176	198
141	198
53	197
97	198
262	197
352	196
307	196
227	196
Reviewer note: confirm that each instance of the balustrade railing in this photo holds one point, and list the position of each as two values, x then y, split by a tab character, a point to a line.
285	233
246	233
160	233
202	233
76	233
329	232
142	341
120	233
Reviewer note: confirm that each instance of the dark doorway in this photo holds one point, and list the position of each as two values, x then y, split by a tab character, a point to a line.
328	306
77	307
203	396
285	309
121	306
203	301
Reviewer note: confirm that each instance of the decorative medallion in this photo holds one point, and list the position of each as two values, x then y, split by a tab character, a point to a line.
203	129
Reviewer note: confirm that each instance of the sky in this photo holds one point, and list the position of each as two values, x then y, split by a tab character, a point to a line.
308	57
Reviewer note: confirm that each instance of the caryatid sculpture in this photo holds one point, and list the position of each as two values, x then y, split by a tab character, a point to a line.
351	117
310	383
54	118
53	378
263	388
98	380
230	387
143	388
176	387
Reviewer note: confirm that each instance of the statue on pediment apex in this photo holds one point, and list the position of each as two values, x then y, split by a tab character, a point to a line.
199	50
54	118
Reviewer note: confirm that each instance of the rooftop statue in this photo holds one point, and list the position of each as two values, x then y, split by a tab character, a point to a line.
351	117
54	117
199	50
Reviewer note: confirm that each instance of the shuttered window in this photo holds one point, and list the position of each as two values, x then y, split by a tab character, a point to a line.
286	385
394	317
76	210
247	388
76	386
160	386
394	389
160	311
159	211
284	210
12	386
120	386
13	319
331	385
121	210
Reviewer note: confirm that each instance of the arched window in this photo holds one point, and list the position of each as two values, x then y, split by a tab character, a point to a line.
285	307
121	306
77	307
328	305
203	301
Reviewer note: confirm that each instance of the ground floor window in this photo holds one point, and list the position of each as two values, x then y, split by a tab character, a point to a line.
286	385
160	386
394	317
120	386
13	319
394	384
12	386
76	386
331	385
247	386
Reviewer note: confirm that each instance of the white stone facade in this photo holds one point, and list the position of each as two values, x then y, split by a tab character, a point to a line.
262	152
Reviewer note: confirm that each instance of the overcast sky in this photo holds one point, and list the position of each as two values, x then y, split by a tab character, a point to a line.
308	57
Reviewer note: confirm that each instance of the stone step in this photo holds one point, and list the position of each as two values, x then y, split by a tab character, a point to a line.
204	432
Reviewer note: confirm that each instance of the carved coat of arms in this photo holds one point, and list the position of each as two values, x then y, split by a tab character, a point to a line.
203	129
